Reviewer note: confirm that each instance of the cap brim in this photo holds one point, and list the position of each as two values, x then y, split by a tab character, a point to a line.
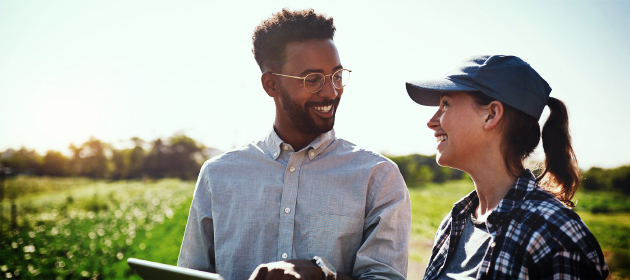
427	92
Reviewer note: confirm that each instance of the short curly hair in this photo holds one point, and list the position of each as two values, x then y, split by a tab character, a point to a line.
272	35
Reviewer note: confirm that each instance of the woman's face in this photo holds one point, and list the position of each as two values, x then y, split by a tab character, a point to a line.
458	125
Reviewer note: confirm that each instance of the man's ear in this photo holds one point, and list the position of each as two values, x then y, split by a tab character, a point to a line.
269	84
494	114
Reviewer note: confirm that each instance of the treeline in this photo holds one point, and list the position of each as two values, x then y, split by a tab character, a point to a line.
418	170
614	179
181	156
178	156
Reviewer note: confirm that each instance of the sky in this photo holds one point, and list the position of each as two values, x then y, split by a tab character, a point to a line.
71	70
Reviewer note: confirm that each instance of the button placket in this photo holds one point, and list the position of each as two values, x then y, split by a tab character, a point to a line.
288	203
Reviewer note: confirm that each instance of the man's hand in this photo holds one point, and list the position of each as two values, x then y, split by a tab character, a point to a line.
288	270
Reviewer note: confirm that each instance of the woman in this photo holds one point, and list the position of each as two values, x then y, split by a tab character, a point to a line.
513	225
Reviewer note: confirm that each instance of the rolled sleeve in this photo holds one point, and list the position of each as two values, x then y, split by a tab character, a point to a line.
197	251
385	249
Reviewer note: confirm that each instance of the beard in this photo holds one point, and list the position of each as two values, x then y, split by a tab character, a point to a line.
302	119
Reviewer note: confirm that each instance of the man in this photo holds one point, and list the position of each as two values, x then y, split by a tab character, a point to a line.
269	208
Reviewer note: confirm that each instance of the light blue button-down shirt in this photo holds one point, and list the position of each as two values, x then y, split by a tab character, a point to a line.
265	202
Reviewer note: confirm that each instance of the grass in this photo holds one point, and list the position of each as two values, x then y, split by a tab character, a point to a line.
601	202
429	206
91	235
86	229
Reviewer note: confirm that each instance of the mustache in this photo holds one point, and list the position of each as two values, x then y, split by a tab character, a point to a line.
325	102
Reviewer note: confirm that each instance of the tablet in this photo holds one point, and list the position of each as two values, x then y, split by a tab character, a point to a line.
159	271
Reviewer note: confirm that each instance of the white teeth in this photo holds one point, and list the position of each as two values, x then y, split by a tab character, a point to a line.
323	109
441	138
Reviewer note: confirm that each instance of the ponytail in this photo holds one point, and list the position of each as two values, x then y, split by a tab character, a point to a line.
521	135
561	175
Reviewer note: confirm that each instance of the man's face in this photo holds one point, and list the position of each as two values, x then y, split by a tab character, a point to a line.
309	113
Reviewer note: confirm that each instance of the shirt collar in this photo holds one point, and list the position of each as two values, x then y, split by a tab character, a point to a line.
524	185
273	143
464	205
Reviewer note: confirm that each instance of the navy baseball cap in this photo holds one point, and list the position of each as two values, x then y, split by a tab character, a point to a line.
506	78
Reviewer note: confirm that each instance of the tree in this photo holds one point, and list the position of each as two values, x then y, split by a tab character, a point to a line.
22	160
90	159
615	179
183	157
54	164
155	164
418	170
137	156
179	157
127	163
621	179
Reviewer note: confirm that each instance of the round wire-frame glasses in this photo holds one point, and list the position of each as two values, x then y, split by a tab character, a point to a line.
314	82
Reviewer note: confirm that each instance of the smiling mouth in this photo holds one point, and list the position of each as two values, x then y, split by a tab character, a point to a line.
323	109
441	138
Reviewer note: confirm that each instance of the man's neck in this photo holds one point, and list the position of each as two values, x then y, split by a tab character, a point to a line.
297	140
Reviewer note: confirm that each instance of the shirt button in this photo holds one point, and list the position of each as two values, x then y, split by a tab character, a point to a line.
292	169
285	256
275	154
287	210
492	244
312	154
286	148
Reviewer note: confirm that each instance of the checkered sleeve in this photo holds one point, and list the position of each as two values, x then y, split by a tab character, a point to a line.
573	265
581	257
570	253
440	246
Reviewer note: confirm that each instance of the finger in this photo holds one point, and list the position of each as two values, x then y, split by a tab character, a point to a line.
275	274
260	273
292	275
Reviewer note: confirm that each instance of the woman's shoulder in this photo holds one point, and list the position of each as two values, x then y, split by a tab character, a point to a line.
551	224
551	233
542	206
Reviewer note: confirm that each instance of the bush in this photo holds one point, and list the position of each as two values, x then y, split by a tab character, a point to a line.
420	170
615	179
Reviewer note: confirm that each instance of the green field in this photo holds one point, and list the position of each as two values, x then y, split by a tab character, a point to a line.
87	229
75	228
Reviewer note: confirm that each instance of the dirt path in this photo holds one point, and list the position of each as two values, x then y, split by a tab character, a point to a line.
419	253
416	270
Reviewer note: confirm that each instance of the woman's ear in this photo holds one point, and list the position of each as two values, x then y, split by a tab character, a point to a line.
494	114
269	84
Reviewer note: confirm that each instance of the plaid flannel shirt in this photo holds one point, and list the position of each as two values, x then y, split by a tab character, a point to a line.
535	237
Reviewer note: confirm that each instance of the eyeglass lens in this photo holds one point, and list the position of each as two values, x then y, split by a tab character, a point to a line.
315	81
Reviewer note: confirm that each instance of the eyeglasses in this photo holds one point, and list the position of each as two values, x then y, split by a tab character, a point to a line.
314	82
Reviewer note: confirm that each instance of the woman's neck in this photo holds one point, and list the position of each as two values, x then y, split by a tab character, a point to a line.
492	182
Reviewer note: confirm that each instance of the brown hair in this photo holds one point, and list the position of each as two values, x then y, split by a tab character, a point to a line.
272	35
521	135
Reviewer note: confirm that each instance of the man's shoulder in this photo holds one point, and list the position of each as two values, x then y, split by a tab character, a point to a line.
236	156
343	147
